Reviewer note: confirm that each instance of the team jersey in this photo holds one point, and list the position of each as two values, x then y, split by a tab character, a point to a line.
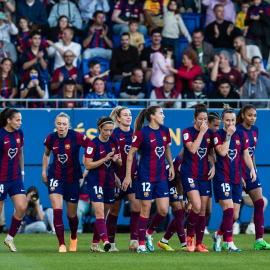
152	145
228	168
10	144
177	166
253	135
103	175
66	164
196	166
125	139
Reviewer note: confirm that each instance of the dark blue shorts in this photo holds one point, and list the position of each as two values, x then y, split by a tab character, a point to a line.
174	197
70	191
11	188
120	194
100	194
250	186
152	190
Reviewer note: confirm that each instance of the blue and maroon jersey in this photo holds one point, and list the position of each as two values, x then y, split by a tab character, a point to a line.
129	10
177	166
103	175
196	165
66	164
253	135
125	139
6	91
10	144
228	168
152	145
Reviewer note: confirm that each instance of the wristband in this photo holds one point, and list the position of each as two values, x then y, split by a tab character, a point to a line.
181	197
22	172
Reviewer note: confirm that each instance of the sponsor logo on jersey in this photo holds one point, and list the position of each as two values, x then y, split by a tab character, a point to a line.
227	194
52	188
160	151
164	139
18	140
146	194
237	142
67	146
99	196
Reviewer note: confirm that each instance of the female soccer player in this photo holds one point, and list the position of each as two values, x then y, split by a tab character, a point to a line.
245	121
12	169
63	176
122	117
153	142
101	157
231	145
196	173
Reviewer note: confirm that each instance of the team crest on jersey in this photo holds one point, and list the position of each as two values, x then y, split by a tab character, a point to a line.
175	196
164	139
126	149
67	146
18	140
201	152
227	194
192	185
12	152
232	154
99	196
52	188
62	158
255	139
237	142
116	195
159	151
251	150
146	194
208	140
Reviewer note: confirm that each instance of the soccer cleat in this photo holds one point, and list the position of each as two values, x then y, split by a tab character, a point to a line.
224	246
113	248
190	244
62	249
107	246
217	241
250	229
184	248
96	248
236	228
165	246
233	249
73	245
10	245
134	246
262	245
201	248
142	249
206	231
149	243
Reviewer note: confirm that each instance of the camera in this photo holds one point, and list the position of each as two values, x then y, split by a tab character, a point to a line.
34	197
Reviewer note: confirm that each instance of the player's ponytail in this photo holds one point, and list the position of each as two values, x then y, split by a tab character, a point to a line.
239	118
226	109
200	108
213	116
7	113
117	113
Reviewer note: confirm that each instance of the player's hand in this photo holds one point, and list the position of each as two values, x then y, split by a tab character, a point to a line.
203	128
244	185
45	179
171	173
230	29
231	129
117	181
253	175
116	157
188	207
183	205
216	31
109	156
212	173
126	183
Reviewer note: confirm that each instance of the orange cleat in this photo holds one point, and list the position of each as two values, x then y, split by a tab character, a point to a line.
190	244
201	248
73	245
62	248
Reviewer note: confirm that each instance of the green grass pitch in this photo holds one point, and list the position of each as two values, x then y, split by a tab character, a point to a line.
40	252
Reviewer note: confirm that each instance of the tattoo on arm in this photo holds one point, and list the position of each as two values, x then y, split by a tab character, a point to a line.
228	137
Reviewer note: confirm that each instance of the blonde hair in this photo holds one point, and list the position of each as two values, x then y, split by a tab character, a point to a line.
117	113
62	114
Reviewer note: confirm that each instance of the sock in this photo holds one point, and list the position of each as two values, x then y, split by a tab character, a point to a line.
163	240
58	225
259	218
111	224
14	227
73	225
228	224
170	231
258	240
142	226
200	230
101	229
155	223
178	224
133	225
192	221
96	237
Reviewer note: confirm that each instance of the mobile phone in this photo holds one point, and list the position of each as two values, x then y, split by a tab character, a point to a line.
3	16
34	77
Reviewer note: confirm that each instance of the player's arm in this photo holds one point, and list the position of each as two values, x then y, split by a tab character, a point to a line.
249	163
254	163
21	161
168	156
222	149
45	164
89	164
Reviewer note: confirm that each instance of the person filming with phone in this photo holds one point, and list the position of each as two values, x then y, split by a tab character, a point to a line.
7	27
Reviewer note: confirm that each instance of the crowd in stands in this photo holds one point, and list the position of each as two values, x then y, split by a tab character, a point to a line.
134	49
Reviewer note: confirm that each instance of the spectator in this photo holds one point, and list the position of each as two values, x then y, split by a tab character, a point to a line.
256	86
3	228
222	69
241	17
257	62
97	39
34	10
225	92
166	92
67	8
187	71
23	36
57	49
133	87
7	27
189	6
228	6
69	92
136	38
68	70
124	59
244	53
99	92
160	60
9	7
197	93
123	11
221	33
7	50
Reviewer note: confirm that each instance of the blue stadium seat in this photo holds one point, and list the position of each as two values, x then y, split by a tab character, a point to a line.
116	41
182	44
148	89
265	63
148	41
109	86
191	20
117	88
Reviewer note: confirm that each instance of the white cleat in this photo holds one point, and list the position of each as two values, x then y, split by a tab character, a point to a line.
10	245
250	228
96	248
114	248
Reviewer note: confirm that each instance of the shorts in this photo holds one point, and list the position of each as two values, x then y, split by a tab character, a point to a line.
11	188
152	190
226	191
203	186
211	193
100	194
120	194
70	191
173	195
250	186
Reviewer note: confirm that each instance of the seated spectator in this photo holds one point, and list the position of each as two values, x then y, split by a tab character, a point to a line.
166	92
124	59
33	87
68	70
229	10
7	27
197	93
8	84
7	50
225	91
34	10
97	39
67	8
160	60
57	49
23	35
221	33
9	7
123	11
256	86
99	92
69	92
257	62
136	38
241	17
222	69
189	6
133	87
244	53
187	71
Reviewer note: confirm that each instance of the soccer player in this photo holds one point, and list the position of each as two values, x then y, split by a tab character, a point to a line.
153	142
123	132
63	176
231	146
12	169
196	173
101	157
245	121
